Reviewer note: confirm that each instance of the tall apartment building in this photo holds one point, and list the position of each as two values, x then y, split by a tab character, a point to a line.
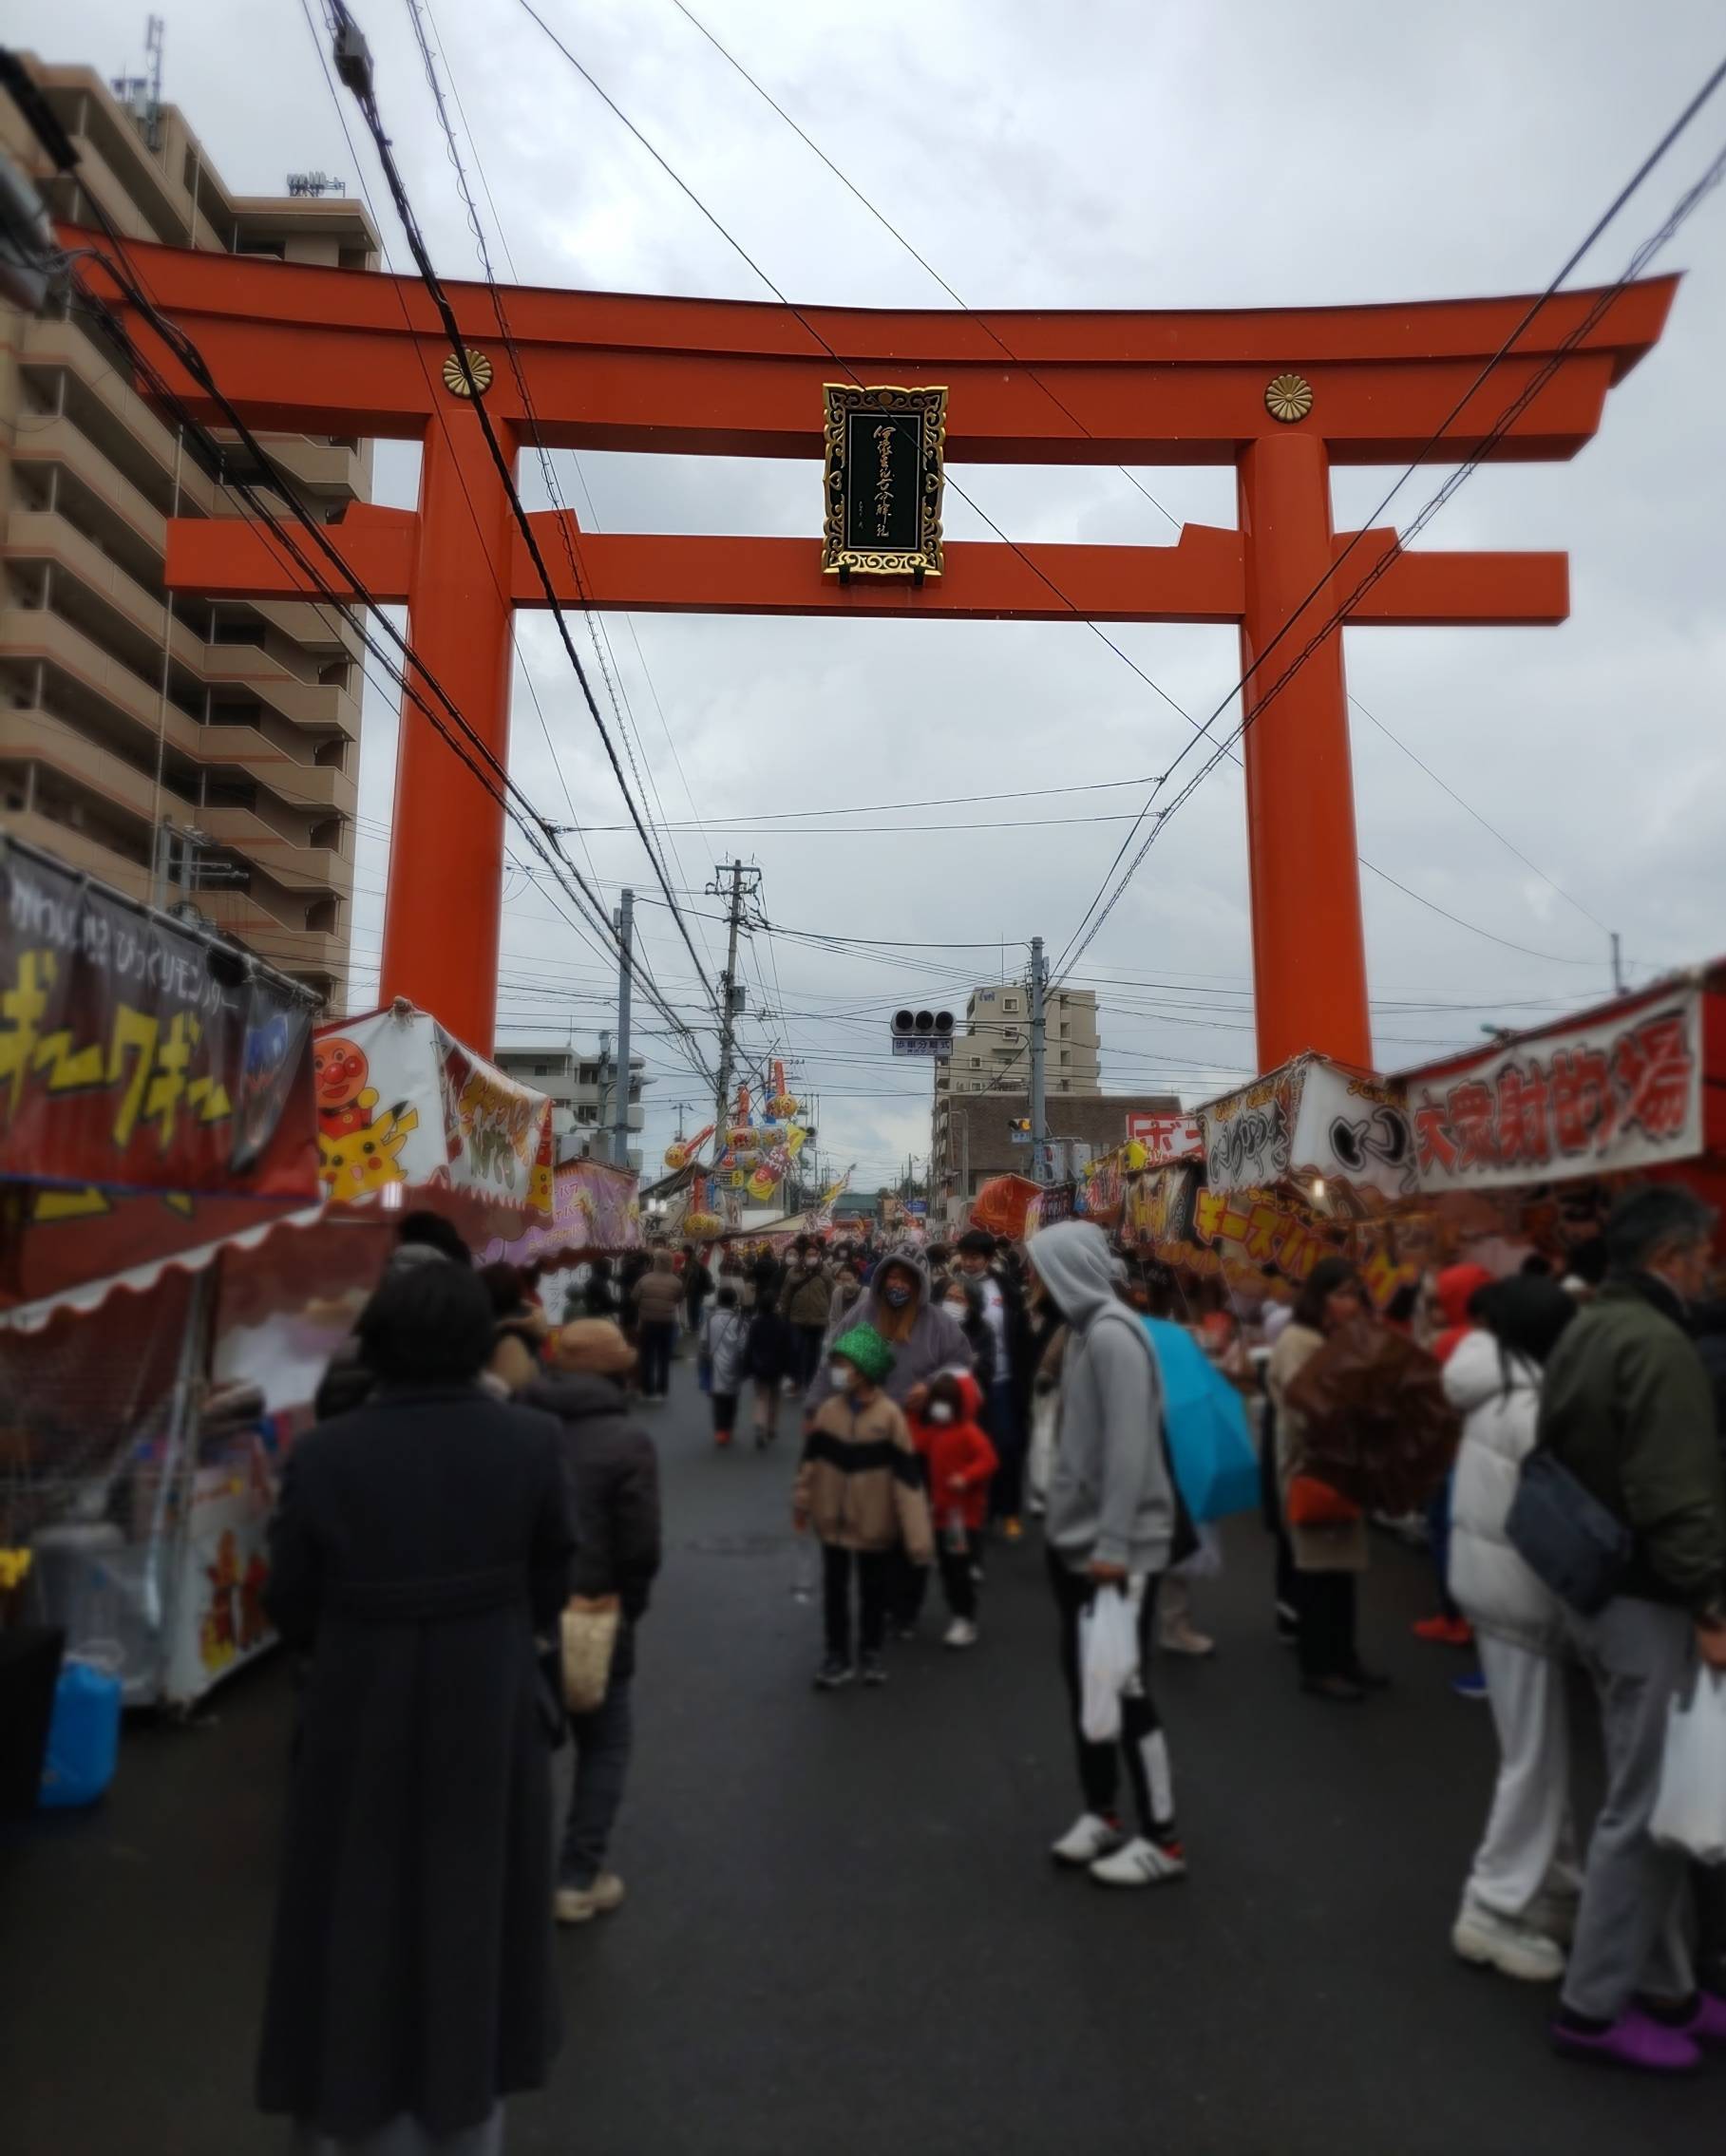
580	1084
119	709
994	1052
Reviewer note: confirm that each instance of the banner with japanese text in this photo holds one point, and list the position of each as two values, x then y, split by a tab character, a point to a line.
1620	1091
594	1208
1313	1123
1167	1137
138	1056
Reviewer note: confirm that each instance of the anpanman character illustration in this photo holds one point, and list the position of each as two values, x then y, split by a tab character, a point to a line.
345	1102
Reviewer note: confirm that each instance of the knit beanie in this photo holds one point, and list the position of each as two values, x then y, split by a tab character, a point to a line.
864	1349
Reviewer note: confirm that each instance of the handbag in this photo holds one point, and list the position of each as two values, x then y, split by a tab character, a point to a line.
590	1640
1565	1536
1313	1503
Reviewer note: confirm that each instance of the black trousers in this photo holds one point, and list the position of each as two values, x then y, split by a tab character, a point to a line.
724	1413
1142	1746
659	1337
807	1341
957	1582
1325	1602
870	1566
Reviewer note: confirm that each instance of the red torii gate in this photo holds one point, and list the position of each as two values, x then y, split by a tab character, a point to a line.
1282	394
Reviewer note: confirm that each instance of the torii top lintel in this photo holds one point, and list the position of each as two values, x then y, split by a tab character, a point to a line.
303	348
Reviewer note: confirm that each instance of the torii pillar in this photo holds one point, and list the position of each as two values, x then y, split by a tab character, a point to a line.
1281	395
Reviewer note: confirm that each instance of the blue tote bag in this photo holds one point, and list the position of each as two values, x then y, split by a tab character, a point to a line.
1205	1419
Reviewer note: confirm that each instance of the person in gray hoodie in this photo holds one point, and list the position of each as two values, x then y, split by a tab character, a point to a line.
1111	1524
927	1340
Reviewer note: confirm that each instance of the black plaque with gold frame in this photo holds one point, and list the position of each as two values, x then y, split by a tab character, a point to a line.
885	465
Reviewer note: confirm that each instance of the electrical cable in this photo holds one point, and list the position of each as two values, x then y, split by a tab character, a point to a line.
356	69
1686	206
192	359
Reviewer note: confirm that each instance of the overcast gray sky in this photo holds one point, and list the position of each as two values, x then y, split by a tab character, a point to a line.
1234	153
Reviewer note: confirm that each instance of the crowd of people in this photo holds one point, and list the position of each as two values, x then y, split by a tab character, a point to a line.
481	1500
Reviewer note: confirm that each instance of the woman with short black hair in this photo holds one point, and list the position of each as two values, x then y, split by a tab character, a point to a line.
420	1548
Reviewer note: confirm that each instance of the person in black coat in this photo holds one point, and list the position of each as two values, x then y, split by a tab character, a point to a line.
963	1297
770	1356
421	1238
612	1473
420	1549
697	1286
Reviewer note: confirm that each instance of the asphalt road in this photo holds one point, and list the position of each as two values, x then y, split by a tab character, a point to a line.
843	1932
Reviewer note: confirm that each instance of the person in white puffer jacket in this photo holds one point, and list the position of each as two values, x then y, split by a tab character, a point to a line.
1518	1908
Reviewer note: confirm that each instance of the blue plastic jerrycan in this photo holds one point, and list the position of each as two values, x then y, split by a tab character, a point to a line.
84	1736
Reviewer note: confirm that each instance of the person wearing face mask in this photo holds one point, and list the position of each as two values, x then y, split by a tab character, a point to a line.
925	1339
1627	1409
859	1490
846	1288
960	1463
964	1297
1114	1521
1005	1400
807	1305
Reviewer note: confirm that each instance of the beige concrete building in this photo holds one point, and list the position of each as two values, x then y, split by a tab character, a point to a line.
120	710
992	1055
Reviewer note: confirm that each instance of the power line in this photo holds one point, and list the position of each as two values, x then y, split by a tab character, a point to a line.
987	325
215	456
1682	209
355	66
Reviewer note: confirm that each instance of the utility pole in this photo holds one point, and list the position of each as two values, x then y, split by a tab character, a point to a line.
736	892
626	928
1040	1106
1618	965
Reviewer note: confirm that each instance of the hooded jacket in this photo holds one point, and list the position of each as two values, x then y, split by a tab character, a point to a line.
1110	1497
935	1343
611	1473
1457	1287
1498	1394
959	1451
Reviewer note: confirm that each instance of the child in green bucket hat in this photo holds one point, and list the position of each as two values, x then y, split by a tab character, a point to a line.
859	1490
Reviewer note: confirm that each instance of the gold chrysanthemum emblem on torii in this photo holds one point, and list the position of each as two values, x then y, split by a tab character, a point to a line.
1288	397
455	377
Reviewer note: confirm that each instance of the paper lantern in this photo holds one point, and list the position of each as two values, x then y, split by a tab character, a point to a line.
702	1226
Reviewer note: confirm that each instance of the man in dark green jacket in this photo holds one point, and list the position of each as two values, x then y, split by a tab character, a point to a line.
1627	1408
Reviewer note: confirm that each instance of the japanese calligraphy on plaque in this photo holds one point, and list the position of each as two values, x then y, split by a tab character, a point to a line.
884	468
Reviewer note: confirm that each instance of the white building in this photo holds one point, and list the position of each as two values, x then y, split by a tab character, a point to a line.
580	1084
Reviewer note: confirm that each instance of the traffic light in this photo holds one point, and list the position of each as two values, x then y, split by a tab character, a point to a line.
923	1032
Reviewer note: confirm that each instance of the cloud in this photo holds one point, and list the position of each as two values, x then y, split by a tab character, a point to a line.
1153	154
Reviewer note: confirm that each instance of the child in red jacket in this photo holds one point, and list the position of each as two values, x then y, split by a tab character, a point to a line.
961	1463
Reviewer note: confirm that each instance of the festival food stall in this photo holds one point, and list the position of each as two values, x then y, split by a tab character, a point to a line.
1268	1179
154	1111
196	1196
